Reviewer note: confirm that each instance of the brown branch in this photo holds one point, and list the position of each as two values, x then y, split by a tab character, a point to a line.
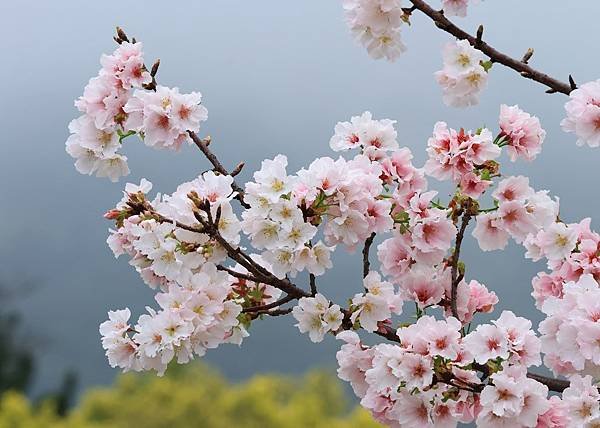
145	207
274	312
313	284
262	308
520	67
365	254
237	169
556	385
237	274
456	276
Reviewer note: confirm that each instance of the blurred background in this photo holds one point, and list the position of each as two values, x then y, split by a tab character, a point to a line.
276	77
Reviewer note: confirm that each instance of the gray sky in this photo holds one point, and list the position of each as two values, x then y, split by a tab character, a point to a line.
276	76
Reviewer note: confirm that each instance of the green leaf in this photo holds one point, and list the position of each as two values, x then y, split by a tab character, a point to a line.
487	65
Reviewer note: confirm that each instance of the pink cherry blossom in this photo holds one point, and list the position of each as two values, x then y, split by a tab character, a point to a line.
490	236
583	114
523	133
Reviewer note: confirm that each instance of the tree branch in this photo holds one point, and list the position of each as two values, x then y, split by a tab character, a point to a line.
365	254
274	312
237	274
456	276
556	385
521	67
261	308
313	284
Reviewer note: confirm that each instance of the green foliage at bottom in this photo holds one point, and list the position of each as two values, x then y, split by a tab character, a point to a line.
195	396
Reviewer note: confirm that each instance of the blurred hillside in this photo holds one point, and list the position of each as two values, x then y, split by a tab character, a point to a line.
197	396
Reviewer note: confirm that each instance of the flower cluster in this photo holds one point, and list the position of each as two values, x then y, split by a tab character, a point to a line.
165	116
509	338
377	304
428	379
195	316
317	316
396	383
583	114
373	137
471	297
571	331
464	74
463	157
571	251
513	400
521	133
413	257
162	252
521	213
275	223
580	404
111	113
376	24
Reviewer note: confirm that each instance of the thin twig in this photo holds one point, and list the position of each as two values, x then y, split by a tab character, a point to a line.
274	312
237	274
556	385
313	284
260	308
365	254
456	278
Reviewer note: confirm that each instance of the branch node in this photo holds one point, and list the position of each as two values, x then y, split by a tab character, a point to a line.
237	169
121	36
572	82
155	66
479	36
527	56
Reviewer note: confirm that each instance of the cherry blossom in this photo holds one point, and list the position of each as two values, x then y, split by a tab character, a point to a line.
512	400
583	114
463	76
192	319
316	316
453	154
165	116
376	25
582	401
377	304
569	334
521	132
